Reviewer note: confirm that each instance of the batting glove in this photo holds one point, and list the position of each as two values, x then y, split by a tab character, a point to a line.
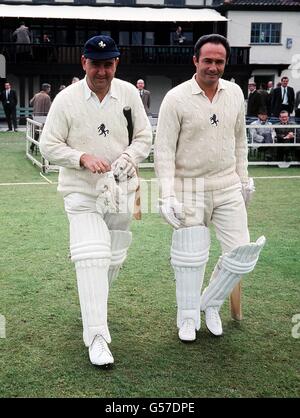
248	190
172	211
123	168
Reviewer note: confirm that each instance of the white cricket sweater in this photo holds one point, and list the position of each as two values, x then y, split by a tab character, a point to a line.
78	124
196	138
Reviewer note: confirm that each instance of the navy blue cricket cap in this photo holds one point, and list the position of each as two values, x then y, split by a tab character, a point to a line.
101	47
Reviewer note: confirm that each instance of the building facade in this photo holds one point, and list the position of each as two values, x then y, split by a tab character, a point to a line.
143	29
271	30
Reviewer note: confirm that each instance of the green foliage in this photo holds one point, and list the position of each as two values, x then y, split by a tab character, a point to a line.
43	354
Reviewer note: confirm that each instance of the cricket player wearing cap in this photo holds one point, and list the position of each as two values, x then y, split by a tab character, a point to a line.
86	134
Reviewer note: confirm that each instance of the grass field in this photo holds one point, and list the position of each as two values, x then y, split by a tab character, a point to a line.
43	354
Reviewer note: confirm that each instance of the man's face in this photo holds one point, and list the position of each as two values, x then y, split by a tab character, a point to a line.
140	85
211	64
99	73
7	86
251	87
284	82
284	118
270	84
263	117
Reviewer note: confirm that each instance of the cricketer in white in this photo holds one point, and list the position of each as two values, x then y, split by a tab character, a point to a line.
201	163
86	133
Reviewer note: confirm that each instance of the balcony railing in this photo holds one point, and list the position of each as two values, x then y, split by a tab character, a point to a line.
142	54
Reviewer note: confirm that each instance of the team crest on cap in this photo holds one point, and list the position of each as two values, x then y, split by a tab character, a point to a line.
102	44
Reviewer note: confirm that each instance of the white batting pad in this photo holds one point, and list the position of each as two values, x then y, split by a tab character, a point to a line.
90	251
229	271
189	254
120	242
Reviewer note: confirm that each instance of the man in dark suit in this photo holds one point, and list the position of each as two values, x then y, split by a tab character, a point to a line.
283	98
145	95
254	101
9	101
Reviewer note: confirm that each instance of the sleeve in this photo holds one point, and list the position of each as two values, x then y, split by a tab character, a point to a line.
167	133
140	146
53	142
241	146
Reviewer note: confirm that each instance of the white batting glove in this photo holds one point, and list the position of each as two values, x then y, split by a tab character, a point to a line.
109	194
248	190
123	168
172	211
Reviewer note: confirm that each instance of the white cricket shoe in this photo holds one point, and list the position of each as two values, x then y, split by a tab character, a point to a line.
187	331
99	352
213	321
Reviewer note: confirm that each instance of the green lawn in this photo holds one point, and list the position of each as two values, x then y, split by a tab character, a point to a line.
43	354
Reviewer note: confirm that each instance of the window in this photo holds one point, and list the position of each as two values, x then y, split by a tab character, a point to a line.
137	38
124	38
265	33
149	38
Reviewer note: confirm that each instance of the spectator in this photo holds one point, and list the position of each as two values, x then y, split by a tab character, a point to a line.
270	87
263	135
297	107
9	102
284	136
144	94
265	97
46	49
41	103
87	134
74	80
61	87
22	36
178	37
283	98
254	101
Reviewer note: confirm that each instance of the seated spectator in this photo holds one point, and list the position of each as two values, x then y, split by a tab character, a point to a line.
263	135
285	136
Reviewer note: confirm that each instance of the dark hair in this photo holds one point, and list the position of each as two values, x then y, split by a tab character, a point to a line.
284	78
213	38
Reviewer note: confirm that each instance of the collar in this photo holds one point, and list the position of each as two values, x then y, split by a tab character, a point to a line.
196	89
88	93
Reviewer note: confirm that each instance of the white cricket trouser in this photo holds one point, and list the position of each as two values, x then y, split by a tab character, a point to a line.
98	246
225	209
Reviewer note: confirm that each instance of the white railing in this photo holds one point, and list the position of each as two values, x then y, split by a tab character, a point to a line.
34	130
255	147
33	133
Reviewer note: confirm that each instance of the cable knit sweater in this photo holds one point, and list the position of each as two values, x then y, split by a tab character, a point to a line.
78	124
196	138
